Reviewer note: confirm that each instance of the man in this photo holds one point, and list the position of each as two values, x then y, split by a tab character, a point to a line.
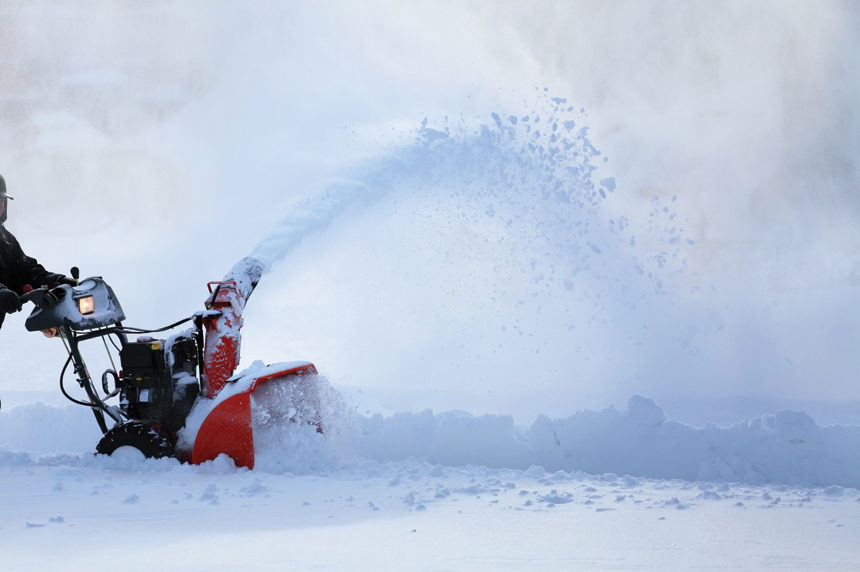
16	268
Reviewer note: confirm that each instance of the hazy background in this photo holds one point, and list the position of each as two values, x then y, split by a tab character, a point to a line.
156	143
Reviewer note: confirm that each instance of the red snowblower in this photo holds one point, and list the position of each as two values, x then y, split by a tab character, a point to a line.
178	396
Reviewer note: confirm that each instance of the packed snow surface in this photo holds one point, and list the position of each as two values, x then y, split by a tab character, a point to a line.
610	489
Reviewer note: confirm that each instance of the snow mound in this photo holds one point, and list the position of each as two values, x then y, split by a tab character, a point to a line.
787	447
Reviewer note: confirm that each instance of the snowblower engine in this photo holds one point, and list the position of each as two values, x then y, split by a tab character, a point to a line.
158	381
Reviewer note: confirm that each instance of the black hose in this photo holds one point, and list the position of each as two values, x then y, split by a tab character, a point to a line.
66	393
113	342
127	330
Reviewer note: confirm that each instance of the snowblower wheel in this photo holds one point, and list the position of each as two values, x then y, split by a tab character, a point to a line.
142	437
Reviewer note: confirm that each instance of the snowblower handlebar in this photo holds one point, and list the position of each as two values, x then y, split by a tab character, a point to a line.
86	306
36	295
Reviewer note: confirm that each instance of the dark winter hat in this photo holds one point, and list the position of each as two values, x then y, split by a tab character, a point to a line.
3	194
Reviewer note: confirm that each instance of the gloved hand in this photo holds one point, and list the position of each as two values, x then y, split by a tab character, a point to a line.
62	279
9	301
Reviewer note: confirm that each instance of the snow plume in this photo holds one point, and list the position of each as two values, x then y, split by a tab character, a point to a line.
312	216
527	178
479	253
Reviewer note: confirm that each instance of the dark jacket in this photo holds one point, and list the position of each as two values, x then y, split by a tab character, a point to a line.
17	269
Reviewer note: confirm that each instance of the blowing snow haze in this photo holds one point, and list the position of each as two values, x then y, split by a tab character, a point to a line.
694	240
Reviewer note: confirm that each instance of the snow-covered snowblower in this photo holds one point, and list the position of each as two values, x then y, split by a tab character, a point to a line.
177	396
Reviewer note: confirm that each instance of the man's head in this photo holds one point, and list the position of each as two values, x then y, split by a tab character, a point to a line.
3	199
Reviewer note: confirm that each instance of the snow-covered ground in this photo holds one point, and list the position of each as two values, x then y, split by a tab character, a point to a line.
615	489
69	514
582	277
442	492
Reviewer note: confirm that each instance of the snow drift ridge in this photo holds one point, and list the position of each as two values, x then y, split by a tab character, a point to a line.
788	447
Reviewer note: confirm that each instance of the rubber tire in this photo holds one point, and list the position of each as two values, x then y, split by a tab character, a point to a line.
142	437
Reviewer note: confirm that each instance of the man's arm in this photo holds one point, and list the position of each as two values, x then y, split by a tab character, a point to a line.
27	270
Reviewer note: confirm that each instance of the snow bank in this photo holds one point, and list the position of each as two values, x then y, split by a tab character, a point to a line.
788	447
46	429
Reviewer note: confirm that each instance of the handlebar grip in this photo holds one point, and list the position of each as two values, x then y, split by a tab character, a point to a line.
35	295
29	294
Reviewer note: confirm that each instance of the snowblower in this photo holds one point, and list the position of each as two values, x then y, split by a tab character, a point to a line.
177	396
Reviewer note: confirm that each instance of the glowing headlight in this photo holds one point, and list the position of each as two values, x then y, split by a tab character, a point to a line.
86	305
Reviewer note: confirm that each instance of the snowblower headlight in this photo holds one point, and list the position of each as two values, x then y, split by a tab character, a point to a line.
86	305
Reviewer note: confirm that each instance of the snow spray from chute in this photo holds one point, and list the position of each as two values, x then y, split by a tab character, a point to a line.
526	180
546	250
549	158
